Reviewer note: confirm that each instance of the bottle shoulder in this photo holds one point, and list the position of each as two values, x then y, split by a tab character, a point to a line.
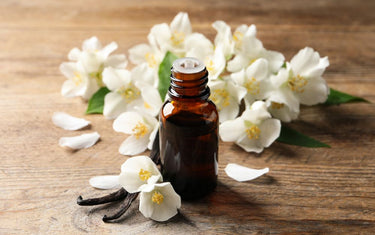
204	108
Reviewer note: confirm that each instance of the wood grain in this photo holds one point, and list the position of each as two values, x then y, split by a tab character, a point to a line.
308	191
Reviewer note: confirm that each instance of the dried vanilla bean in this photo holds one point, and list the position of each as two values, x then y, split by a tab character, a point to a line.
115	196
124	207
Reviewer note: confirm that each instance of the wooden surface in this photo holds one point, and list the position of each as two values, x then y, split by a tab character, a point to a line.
330	191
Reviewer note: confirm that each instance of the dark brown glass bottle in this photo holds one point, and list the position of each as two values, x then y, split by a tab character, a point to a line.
189	131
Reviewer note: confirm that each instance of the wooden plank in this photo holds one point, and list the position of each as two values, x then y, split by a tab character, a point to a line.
327	191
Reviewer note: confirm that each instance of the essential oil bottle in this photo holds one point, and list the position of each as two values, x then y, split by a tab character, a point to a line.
189	131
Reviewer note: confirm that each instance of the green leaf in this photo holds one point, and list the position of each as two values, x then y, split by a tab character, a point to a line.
293	137
164	73
96	102
338	97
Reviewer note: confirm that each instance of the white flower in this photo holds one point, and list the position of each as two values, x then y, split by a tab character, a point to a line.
142	129
254	130
242	173
299	82
255	79
80	142
281	101
159	201
200	47
305	77
171	37
239	34
85	72
138	171
95	57
78	83
127	94
68	122
251	50
227	96
144	53
224	38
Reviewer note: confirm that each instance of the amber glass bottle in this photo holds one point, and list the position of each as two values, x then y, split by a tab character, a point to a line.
189	131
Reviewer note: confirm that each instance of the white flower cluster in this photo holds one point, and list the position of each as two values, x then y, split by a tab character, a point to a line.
240	69
158	200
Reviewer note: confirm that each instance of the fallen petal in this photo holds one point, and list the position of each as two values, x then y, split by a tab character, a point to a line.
68	122
105	182
241	173
80	142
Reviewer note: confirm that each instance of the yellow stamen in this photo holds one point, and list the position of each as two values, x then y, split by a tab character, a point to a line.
276	105
98	76
77	79
253	132
237	36
140	130
144	175
252	86
129	93
210	65
220	97
157	198
297	83
177	38
151	60
147	106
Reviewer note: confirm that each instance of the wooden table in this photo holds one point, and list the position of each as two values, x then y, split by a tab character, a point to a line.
307	190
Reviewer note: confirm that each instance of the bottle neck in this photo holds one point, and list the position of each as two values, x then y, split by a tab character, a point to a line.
189	86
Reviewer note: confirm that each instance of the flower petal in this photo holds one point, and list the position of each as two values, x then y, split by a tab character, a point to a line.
137	54
231	130
238	77
108	49
181	23
229	112
256	113
241	173
68	122
133	146
115	78
152	137
250	145
284	113
316	91
91	44
116	61
159	37
275	60
74	54
69	89
258	69
308	63
269	131
152	100
105	182
198	46
126	122
143	73
239	62
114	105
80	142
